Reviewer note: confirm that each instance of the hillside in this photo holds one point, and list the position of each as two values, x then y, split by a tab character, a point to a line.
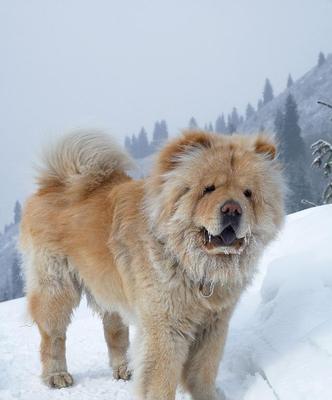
279	345
315	120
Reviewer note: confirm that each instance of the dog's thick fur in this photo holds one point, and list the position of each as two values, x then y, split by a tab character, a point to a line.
136	248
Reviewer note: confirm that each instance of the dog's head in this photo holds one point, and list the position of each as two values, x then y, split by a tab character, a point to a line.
210	196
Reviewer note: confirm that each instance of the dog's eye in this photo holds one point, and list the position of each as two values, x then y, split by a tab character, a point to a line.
248	193
209	189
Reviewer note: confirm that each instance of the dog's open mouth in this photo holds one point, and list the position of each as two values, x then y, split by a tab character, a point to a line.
225	242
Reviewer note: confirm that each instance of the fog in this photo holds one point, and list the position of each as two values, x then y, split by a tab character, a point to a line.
121	65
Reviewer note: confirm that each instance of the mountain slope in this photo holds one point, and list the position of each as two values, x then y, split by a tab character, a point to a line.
279	345
315	120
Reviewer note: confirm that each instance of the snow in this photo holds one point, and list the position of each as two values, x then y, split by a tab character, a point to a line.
279	345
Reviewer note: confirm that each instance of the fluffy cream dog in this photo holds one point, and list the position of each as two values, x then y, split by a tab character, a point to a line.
172	252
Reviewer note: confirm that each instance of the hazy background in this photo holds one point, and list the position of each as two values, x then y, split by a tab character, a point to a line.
119	65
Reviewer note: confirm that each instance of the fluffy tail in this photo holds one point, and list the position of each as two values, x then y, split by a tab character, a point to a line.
82	161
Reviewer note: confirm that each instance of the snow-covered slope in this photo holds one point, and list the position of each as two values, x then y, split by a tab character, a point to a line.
314	119
279	345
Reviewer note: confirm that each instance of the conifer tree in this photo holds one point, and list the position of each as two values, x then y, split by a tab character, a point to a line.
143	148
192	123
16	278
322	152
250	111
163	130
293	155
156	136
159	135
230	126
235	118
290	81
279	122
134	146
267	92
220	125
259	104
17	212
291	131
128	144
321	59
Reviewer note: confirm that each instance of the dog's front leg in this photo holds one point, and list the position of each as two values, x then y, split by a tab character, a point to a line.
161	354
201	367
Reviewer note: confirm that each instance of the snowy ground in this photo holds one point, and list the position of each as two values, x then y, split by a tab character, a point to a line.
279	345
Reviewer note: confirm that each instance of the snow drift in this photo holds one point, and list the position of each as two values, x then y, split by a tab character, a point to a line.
279	345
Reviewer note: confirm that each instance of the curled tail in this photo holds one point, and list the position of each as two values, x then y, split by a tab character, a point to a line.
81	161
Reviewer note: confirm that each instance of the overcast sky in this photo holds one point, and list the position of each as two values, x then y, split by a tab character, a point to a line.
119	65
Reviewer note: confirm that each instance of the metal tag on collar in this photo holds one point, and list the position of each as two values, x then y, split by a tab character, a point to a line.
206	289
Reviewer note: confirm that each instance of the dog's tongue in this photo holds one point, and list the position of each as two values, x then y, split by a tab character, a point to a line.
228	235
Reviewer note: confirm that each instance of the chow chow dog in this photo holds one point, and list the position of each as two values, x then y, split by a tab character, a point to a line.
171	253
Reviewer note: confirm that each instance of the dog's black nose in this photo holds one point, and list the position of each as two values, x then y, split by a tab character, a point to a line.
231	212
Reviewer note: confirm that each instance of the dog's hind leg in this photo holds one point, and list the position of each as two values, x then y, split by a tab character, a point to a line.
52	293
117	338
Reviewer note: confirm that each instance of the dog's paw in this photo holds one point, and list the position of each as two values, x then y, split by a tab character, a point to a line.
59	380
122	372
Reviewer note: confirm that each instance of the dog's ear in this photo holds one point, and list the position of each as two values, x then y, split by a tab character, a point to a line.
171	154
265	144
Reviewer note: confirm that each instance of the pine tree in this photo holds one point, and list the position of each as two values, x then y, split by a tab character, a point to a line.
278	128
279	122
159	135
163	130
235	118
321	59
143	147
293	155
17	212
267	92
128	144
259	104
290	81
322	152
230	126
210	127
291	130
192	123
16	278
156	136
134	146
250	111
220	125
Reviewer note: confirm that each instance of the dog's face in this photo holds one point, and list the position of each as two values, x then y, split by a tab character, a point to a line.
215	195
